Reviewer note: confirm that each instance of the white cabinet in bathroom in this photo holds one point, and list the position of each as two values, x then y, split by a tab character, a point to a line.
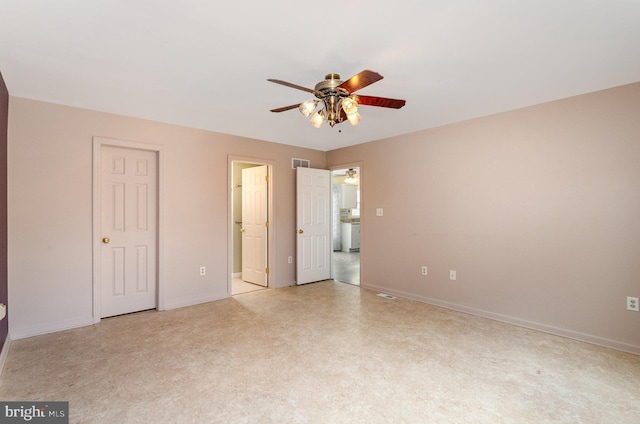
348	196
351	237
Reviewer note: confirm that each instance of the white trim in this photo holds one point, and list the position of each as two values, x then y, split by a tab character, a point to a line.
192	301
50	327
5	352
556	331
272	221
98	143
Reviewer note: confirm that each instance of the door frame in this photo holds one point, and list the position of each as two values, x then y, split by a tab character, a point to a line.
98	143
360	167
272	225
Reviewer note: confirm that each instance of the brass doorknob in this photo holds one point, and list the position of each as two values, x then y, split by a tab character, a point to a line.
300	231
105	240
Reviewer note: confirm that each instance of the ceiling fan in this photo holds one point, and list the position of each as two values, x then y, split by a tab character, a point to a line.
338	103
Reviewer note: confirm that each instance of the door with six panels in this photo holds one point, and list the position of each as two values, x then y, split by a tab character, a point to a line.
128	221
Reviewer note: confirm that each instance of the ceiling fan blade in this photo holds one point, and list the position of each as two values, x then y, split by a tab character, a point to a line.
360	80
298	87
282	109
381	102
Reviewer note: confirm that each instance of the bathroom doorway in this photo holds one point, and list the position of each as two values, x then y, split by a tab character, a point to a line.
250	239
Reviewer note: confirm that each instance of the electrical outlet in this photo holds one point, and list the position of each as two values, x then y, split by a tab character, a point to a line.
203	270
452	275
290	259
424	270
632	304
379	212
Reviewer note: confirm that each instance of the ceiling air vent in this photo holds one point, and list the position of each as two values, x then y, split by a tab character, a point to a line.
299	163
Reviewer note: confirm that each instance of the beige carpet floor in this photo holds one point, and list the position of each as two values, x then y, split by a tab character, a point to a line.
321	353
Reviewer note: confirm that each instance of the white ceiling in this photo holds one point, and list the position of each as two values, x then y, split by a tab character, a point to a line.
205	63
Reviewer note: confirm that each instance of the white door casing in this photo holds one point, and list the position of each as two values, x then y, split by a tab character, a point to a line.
313	216
255	224
128	208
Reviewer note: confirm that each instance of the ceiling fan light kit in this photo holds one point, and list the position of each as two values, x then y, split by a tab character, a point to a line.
338	103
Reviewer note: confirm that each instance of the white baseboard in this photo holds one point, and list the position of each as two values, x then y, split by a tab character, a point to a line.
4	353
38	330
558	331
191	301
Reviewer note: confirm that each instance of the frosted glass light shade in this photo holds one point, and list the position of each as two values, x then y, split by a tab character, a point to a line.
317	119
350	105
353	118
308	107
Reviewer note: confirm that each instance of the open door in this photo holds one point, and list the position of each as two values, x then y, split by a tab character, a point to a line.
255	224
313	215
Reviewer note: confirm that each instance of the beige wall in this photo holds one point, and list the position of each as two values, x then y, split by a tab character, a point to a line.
50	210
537	209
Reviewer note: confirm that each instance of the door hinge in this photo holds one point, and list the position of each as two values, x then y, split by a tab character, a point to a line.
267	178
266	224
266	270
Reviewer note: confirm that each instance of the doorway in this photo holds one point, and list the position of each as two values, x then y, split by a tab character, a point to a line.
345	193
250	225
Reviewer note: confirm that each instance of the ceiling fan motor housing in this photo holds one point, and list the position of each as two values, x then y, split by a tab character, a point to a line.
332	96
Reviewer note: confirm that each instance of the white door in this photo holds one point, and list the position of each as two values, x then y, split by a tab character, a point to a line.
128	217
254	224
313	204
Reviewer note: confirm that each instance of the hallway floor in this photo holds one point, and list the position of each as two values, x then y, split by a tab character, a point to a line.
321	353
240	287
